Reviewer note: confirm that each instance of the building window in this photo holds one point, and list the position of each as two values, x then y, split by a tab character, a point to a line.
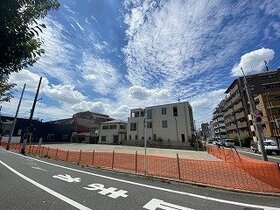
142	137
103	138
122	127
129	137
164	123
136	137
105	127
149	114
175	111
133	126
149	125
163	111
112	127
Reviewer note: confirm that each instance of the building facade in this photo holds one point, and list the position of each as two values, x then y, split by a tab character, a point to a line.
236	104
112	132
219	121
205	131
172	123
269	105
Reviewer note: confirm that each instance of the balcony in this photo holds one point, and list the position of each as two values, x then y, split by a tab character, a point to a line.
242	124
238	106
273	104
240	115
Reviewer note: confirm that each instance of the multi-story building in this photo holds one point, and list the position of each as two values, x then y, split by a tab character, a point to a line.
171	123
219	121
269	105
112	132
205	131
236	104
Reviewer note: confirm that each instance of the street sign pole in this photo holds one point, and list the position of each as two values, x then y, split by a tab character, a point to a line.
258	126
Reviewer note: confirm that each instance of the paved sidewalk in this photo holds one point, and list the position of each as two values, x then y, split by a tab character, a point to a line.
196	155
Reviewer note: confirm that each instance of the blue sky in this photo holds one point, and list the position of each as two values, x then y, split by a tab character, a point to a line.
111	56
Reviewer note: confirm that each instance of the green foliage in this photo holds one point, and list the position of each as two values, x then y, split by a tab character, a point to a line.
19	36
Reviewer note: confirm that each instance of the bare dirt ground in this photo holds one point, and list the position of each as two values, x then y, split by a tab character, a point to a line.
197	155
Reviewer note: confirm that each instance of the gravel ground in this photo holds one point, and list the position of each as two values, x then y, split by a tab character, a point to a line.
197	155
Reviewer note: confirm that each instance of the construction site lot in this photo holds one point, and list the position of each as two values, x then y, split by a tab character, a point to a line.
189	154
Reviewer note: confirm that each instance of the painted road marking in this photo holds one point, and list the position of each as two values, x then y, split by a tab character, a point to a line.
151	186
67	178
48	190
156	203
38	168
104	191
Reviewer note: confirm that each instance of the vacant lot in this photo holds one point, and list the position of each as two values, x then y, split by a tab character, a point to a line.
198	155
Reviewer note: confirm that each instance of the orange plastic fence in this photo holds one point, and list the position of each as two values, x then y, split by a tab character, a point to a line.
266	172
233	171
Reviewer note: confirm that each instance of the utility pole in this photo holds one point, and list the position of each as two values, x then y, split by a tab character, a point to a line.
237	128
15	119
30	119
253	108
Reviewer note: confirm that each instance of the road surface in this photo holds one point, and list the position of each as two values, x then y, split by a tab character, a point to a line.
249	153
40	183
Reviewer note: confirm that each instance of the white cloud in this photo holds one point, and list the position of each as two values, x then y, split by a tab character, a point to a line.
99	73
30	79
64	93
253	62
58	52
170	42
89	106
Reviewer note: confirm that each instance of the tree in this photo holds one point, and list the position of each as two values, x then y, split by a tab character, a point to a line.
20	43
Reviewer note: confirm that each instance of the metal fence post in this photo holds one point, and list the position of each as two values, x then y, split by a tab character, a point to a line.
136	162
67	155
80	156
56	154
48	151
113	158
92	162
178	163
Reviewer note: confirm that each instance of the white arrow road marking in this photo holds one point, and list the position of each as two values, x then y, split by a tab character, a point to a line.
67	178
104	191
38	168
156	203
236	203
48	190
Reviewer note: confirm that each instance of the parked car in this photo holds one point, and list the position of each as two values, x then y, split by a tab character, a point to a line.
269	145
228	142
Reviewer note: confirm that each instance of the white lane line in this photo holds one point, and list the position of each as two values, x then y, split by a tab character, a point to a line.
154	187
38	168
48	190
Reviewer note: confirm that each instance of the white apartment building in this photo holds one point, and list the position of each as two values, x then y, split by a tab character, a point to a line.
167	123
112	132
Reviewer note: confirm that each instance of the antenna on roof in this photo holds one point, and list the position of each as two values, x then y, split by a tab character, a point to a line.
265	63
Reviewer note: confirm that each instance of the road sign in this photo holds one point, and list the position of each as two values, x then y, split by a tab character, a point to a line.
111	191
160	204
67	178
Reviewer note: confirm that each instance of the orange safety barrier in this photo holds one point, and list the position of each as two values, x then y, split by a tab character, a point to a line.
233	171
266	172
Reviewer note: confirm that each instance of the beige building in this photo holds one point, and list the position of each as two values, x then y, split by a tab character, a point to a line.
169	123
112	132
269	104
236	104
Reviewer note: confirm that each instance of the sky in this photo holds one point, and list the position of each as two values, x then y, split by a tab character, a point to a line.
111	56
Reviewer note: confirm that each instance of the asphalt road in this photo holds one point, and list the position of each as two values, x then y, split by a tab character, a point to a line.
39	183
249	153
